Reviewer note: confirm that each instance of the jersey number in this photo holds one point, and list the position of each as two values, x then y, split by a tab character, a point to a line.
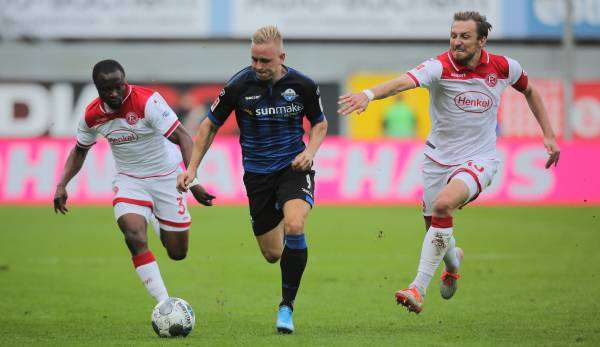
181	205
477	167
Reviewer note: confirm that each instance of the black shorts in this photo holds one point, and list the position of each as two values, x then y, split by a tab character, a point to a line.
268	192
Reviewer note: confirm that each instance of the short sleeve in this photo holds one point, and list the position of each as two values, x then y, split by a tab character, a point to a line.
86	136
313	105
426	73
516	75
160	115
223	105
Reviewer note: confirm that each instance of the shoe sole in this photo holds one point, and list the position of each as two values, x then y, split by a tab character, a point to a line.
446	291
282	330
408	302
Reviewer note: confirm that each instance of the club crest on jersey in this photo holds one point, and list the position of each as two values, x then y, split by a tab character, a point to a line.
491	80
131	118
289	95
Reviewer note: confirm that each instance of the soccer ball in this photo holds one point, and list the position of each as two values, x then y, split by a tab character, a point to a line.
173	317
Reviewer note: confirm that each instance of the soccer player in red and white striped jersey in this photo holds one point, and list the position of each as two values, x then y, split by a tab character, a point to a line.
465	84
148	144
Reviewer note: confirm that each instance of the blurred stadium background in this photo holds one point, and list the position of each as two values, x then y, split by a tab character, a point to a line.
187	49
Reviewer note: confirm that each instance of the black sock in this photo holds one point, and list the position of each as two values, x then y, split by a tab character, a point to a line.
292	263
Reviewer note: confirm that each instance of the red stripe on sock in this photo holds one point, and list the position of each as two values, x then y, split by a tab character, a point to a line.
439	222
142	259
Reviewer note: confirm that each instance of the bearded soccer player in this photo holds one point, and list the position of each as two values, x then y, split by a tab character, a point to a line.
465	84
143	133
270	101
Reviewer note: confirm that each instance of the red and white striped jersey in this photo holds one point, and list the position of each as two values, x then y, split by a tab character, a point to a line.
137	132
464	104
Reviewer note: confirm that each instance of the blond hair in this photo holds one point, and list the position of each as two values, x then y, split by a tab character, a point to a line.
267	34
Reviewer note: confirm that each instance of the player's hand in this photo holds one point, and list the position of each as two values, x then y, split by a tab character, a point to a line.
553	151
303	161
353	102
183	180
60	199
201	195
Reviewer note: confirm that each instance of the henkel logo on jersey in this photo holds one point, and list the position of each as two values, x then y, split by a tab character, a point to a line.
473	101
121	136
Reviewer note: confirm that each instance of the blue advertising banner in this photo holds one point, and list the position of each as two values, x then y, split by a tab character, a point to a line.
545	18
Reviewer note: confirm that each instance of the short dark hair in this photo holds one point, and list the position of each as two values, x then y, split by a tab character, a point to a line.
483	26
105	67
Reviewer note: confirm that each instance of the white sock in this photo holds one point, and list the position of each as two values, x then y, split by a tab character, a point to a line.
147	268
451	258
434	248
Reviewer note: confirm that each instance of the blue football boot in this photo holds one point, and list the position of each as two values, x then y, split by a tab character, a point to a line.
284	324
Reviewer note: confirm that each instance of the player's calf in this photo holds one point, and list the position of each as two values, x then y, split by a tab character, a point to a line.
176	243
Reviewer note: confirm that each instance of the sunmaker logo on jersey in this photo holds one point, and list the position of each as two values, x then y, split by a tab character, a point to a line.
121	136
473	101
280	111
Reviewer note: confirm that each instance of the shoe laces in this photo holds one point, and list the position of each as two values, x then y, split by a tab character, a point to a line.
448	277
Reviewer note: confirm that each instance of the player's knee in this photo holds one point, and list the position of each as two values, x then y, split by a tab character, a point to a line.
135	239
271	256
294	226
177	254
442	207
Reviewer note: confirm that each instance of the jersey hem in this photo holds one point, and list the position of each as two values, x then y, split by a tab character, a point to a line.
151	176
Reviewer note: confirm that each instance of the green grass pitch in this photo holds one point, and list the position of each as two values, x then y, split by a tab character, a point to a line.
530	277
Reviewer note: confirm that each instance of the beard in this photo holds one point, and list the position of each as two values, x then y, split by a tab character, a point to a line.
465	59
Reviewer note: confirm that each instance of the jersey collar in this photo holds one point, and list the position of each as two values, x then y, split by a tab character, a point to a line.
484	59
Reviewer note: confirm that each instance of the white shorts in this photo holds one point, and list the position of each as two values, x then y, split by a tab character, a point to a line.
476	173
154	195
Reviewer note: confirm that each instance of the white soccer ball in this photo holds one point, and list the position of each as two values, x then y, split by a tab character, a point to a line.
173	317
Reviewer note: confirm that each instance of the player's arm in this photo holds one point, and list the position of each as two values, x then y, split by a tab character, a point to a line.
536	105
219	111
359	101
318	127
304	160
73	164
204	138
181	138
